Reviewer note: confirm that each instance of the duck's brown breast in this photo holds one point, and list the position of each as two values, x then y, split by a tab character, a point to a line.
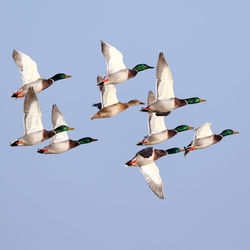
171	133
132	73
46	83
73	144
48	134
217	138
180	102
159	153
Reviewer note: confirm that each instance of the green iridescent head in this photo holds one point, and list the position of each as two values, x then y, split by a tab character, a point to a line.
228	132
59	76
62	128
194	100
141	67
182	128
174	150
85	140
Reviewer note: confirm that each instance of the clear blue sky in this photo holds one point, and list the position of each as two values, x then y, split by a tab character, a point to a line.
86	198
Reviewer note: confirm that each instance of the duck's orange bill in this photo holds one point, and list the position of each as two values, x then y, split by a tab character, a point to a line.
19	142
44	149
105	80
144	142
147	109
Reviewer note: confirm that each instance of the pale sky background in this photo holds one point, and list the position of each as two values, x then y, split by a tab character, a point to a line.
86	198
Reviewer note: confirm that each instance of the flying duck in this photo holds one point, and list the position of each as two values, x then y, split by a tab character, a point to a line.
166	100
30	75
117	71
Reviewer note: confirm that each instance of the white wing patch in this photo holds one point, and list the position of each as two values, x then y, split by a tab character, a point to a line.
32	113
164	79
114	58
28	67
156	123
58	120
153	178
108	93
203	131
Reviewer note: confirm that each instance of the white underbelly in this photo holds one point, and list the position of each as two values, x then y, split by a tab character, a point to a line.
118	77
163	106
204	142
37	86
157	138
58	148
32	138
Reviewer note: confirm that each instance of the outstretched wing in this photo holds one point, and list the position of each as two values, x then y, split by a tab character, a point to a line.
32	113
203	131
27	66
164	79
108	95
155	123
57	121
114	58
153	178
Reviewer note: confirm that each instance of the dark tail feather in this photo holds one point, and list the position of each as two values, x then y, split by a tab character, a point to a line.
13	144
186	151
100	83
98	105
40	151
14	95
128	163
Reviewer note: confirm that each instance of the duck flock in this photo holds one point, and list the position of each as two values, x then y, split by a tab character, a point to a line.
157	108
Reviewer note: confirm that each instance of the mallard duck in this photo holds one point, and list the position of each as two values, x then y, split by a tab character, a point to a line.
204	137
61	142
117	71
157	131
30	75
34	131
166	100
110	105
145	159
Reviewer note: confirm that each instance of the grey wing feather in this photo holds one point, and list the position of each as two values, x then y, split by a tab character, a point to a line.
151	98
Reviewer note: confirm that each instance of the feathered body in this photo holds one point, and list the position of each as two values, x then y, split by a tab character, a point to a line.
204	137
117	72
157	131
110	106
34	130
34	138
166	100
61	143
30	75
145	159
